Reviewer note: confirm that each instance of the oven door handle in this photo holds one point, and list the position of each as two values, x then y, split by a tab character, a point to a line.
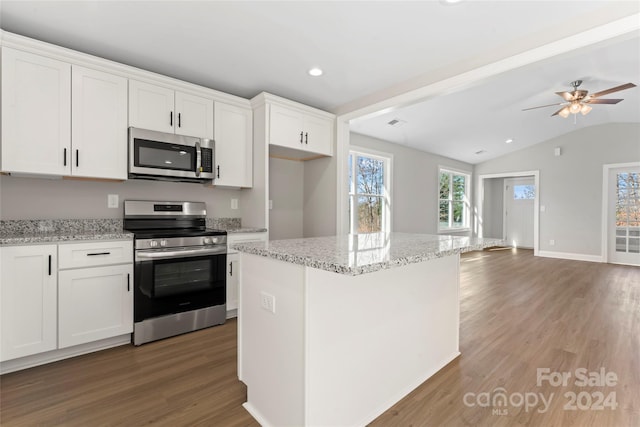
180	253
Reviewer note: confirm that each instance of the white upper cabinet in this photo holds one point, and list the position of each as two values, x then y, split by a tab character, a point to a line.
62	119
195	115
301	130
234	145
151	107
36	114
165	110
28	300
99	130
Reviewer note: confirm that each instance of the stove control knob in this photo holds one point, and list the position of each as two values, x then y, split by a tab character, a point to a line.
163	243
153	244
207	241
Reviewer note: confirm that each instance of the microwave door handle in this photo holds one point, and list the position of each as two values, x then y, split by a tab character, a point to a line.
198	159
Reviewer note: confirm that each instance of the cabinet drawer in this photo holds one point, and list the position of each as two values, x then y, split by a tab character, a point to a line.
76	255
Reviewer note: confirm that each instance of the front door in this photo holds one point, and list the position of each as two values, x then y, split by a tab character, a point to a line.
623	228
519	198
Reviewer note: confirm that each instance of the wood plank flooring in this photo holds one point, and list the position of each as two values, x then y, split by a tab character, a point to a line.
518	313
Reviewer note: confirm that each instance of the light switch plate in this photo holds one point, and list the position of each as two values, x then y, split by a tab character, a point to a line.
234	203
112	201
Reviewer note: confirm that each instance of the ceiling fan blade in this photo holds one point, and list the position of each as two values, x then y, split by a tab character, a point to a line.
567	96
602	101
544	106
558	112
613	89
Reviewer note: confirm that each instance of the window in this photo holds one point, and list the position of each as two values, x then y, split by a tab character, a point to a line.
453	213
369	195
524	192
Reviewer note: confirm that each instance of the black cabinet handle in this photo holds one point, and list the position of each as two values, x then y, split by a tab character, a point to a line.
218	171
171	118
301	137
49	265
179	119
306	137
128	282
99	253
77	158
65	157
231	269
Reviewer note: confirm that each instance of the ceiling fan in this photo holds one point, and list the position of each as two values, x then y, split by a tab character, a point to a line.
579	100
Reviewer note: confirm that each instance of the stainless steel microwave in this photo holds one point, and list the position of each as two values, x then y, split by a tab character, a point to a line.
169	157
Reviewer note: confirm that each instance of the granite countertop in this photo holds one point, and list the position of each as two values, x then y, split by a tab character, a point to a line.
27	232
56	237
246	230
365	253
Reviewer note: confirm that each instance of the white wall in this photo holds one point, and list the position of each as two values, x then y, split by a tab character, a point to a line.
286	187
320	178
414	196
493	207
571	184
37	198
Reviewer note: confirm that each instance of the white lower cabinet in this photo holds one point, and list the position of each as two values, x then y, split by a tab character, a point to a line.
28	300
233	266
232	281
53	297
94	303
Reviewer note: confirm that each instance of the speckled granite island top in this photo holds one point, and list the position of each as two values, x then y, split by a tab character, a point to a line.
365	253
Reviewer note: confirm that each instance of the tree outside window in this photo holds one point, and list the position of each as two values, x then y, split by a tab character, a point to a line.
453	206
368	193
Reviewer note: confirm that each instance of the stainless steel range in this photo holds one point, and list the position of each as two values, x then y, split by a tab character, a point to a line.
180	269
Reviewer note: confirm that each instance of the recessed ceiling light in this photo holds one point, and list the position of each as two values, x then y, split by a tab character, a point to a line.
315	72
450	1
509	141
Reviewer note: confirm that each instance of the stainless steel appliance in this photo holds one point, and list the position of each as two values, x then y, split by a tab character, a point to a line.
169	157
180	269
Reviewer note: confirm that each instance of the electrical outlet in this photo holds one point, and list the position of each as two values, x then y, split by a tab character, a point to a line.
112	201
268	302
552	242
270	204
234	203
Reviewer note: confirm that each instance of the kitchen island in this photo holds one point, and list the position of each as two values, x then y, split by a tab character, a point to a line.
333	331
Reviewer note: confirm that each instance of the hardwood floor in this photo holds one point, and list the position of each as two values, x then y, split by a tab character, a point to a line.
518	313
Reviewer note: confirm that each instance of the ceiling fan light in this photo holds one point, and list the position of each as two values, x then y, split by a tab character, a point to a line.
564	113
575	107
585	109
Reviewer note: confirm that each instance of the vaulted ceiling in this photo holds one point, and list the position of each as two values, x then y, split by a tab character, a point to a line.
367	49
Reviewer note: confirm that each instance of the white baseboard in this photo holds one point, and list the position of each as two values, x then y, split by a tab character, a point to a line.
65	353
574	257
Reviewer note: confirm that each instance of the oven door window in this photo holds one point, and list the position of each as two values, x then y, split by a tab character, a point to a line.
165	278
162	155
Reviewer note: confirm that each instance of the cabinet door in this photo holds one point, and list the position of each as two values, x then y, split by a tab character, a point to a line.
99	124
234	145
151	107
194	116
232	282
319	135
286	128
36	114
95	303
28	300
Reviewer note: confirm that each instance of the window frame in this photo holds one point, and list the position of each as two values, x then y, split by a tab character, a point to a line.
466	211
352	194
